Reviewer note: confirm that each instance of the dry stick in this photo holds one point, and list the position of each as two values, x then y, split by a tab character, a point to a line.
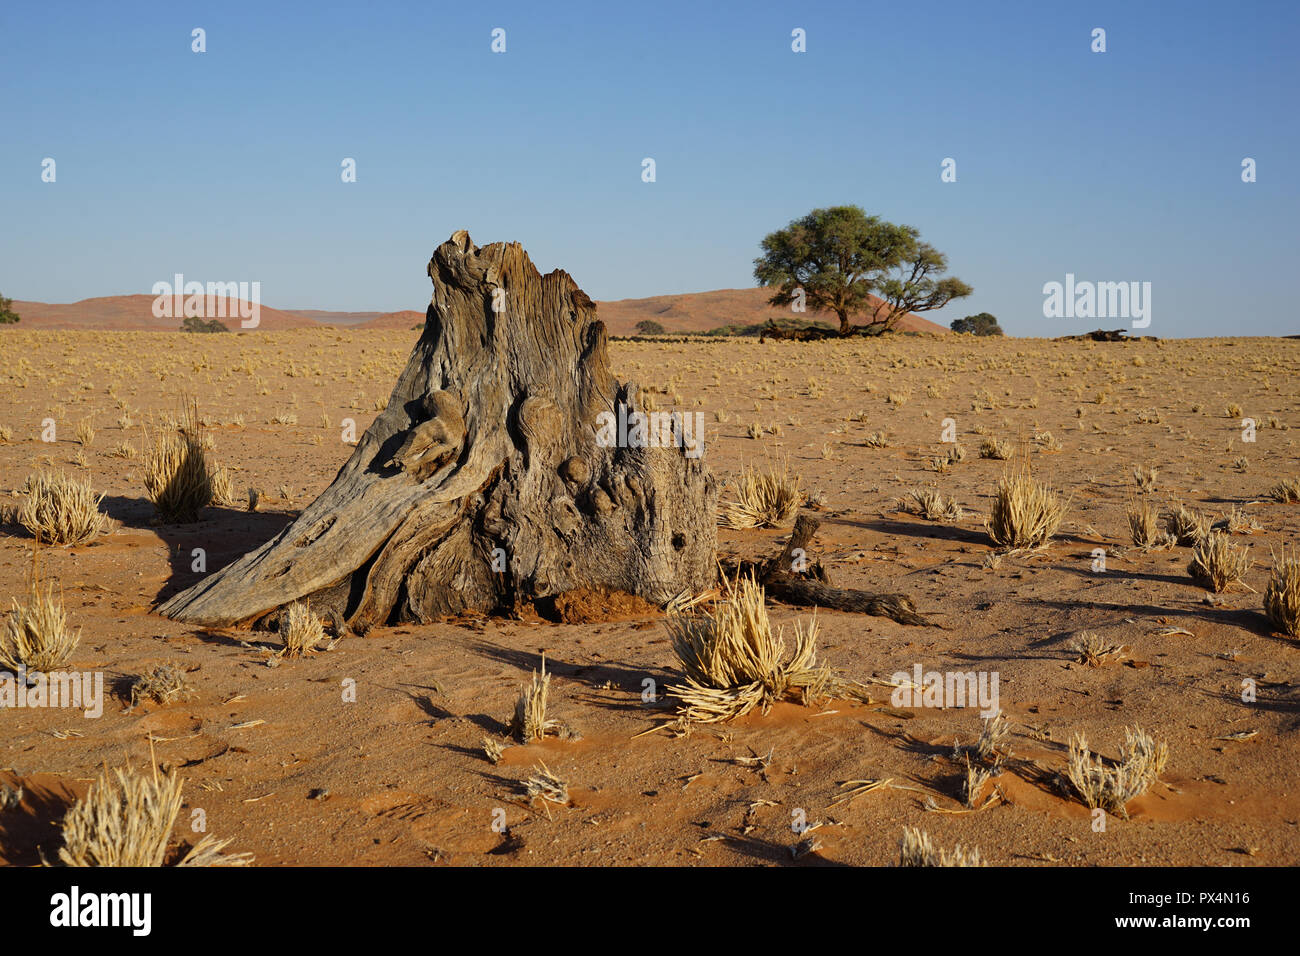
813	589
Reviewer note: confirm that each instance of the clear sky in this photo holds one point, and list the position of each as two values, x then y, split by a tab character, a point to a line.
225	166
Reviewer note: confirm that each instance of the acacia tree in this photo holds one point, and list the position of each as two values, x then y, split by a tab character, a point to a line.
982	324
841	260
7	315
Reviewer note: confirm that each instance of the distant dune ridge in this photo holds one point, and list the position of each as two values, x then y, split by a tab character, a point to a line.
701	311
126	312
686	312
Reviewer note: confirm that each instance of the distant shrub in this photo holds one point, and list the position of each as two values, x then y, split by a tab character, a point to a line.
649	327
193	323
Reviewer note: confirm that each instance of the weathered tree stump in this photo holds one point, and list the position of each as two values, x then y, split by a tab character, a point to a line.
483	485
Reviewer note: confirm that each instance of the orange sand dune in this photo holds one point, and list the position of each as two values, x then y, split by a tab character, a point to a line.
122	312
701	311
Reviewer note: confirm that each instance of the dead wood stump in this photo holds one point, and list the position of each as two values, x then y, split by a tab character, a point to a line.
484	484
810	586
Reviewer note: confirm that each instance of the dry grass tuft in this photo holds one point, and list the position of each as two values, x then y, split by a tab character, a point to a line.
1145	478
915	849
762	500
928	503
163	683
995	448
36	634
530	722
1286	491
60	509
1141	761
1186	526
129	823
1094	651
1217	562
1144	524
733	661
1026	513
223	490
177	472
1282	596
544	785
303	632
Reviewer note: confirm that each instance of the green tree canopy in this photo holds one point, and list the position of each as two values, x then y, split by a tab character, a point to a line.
650	327
7	315
835	259
982	324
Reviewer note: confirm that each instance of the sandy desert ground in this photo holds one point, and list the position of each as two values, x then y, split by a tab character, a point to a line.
280	762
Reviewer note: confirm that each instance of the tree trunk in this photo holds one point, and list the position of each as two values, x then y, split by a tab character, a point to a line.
489	481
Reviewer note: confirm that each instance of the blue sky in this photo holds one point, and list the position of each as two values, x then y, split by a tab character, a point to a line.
1115	166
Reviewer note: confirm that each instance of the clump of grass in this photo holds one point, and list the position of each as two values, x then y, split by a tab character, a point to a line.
163	683
544	785
60	509
36	634
126	820
1145	478
973	786
916	849
928	503
992	743
493	749
1286	491
10	797
1237	521
177	472
877	440
1144	524
530	722
1111	787
957	454
733	662
223	490
1217	562
762	500
303	631
1186	526
1094	651
755	430
1282	596
86	432
995	448
1026	512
